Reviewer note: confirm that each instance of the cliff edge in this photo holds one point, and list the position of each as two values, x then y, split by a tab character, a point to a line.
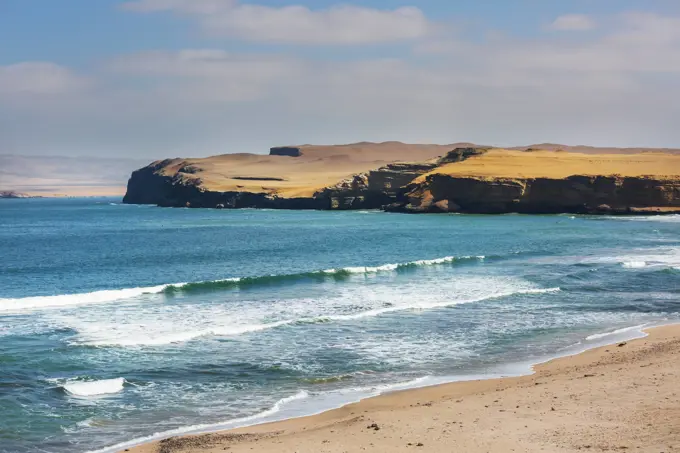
548	182
290	177
418	178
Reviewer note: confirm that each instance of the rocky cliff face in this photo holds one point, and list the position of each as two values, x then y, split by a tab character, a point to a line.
391	178
574	194
465	179
175	183
150	185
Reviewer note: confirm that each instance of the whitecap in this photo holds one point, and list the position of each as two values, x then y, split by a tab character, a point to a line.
67	300
391	267
634	264
94	388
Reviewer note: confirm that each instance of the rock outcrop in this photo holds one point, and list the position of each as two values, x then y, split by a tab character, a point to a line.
574	194
461	154
290	151
391	178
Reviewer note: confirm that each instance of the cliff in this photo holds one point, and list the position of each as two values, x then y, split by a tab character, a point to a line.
544	182
417	178
290	177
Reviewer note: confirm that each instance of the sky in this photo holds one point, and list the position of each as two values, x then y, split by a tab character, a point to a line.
165	78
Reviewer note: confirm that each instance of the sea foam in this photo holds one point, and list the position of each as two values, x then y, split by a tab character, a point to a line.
67	300
141	337
597	336
94	388
634	264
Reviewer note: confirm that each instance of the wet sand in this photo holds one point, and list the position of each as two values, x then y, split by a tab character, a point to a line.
623	397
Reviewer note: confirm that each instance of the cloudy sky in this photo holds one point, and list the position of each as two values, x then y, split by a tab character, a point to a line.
156	78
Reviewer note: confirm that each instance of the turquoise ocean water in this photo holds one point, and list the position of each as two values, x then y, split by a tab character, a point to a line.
122	323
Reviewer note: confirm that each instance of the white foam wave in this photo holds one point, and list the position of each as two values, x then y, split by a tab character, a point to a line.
642	258
597	336
141	337
390	267
433	305
371	270
634	264
668	218
94	388
105	296
66	300
385	388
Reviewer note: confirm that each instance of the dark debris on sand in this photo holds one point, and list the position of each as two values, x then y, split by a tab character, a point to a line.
178	444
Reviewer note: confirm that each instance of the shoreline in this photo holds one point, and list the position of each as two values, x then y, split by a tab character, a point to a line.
214	437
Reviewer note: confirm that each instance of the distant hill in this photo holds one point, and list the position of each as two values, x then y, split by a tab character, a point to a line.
65	176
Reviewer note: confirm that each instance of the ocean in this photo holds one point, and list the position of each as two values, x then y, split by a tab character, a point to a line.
123	323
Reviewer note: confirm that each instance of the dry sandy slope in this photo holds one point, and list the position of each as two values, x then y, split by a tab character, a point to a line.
323	166
318	167
502	163
615	398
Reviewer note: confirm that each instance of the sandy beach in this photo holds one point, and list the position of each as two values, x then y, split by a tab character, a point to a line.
623	397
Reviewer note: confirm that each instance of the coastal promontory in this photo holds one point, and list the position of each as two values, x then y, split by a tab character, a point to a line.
410	178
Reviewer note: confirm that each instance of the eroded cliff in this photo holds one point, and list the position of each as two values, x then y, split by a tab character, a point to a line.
502	181
291	177
434	179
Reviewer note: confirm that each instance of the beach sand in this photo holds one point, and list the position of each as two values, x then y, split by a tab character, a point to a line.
623	397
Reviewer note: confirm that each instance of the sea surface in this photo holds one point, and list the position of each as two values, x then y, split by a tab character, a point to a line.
122	323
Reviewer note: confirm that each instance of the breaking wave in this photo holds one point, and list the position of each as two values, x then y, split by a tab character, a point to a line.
105	296
94	388
634	264
66	300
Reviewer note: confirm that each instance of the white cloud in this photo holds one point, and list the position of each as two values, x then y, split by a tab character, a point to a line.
39	78
619	87
208	75
296	24
573	22
635	43
180	6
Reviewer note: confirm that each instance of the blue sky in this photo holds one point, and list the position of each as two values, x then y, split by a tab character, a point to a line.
194	77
